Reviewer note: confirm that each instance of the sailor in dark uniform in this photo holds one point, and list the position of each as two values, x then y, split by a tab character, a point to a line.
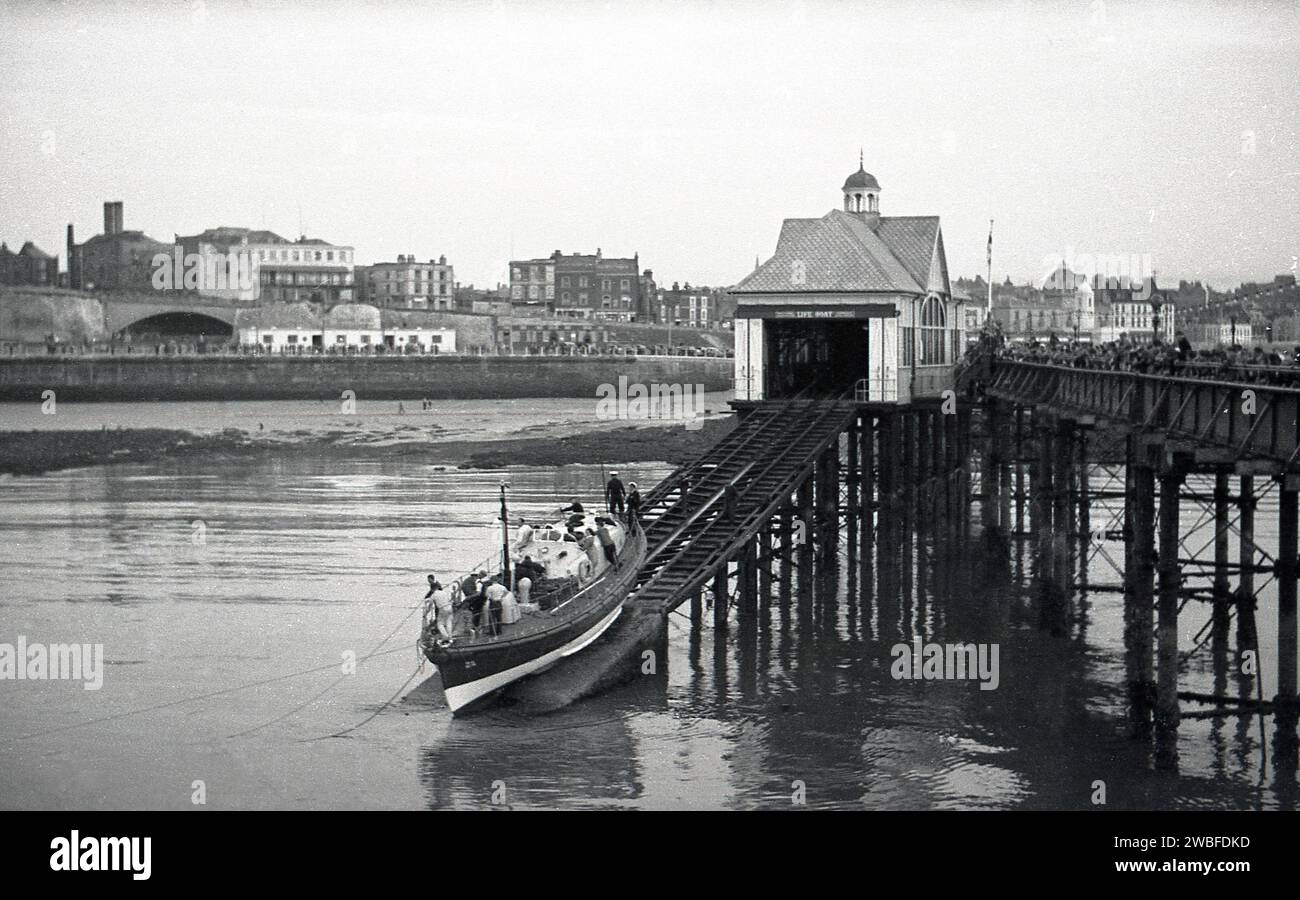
615	494
576	513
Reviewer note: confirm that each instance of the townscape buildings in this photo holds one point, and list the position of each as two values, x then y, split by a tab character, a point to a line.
1069	305
693	307
584	286
30	265
116	259
571	298
408	284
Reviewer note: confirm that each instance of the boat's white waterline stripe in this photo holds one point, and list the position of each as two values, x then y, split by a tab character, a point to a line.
464	694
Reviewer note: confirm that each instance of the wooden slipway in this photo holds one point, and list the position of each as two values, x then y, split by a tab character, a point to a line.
611	660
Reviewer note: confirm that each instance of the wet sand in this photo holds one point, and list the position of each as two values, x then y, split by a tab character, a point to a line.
35	452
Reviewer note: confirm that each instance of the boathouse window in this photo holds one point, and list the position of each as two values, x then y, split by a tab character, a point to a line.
934	320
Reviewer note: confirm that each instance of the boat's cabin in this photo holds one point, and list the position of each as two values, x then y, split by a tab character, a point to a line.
573	548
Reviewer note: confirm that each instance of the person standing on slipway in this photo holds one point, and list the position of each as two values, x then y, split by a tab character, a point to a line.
634	506
615	494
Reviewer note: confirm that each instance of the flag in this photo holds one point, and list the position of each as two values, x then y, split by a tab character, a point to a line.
990	255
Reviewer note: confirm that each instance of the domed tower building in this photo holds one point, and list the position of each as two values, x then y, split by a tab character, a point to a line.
852	300
861	192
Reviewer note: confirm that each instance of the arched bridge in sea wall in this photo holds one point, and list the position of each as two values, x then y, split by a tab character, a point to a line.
32	316
123	314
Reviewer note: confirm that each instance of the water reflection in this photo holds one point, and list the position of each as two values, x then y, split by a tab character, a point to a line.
306	558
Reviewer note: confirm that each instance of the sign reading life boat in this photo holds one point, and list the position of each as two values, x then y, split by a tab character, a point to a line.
805	311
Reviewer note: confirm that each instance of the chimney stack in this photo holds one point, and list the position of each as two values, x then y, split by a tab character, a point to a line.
74	280
113	217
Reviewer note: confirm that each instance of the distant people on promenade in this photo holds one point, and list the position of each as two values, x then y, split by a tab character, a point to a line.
1234	363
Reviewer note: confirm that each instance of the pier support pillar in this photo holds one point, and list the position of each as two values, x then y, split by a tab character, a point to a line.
963	472
990	476
1044	490
765	558
747	579
787	534
1083	493
1005	449
953	511
1167	713
833	494
1083	500
1246	558
1222	586
867	491
721	594
888	433
852	493
1285	755
907	473
1019	465
923	472
1062	523
1138	595
804	531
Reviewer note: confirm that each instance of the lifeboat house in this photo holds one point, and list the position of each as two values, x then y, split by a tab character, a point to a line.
854	300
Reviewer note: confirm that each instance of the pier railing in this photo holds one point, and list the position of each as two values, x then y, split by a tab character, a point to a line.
1252	419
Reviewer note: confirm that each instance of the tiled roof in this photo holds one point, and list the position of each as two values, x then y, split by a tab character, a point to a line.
123	236
228	235
265	237
912	239
841	252
31	251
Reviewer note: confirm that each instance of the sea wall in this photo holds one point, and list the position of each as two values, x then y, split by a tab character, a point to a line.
30	315
81	378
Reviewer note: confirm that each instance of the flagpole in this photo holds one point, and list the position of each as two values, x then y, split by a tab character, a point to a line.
989	313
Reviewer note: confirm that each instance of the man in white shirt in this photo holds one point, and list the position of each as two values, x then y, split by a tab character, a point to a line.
442	605
494	593
523	536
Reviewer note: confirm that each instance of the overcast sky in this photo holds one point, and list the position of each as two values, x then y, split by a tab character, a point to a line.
682	131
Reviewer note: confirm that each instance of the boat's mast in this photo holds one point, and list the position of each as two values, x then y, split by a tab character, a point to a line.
505	537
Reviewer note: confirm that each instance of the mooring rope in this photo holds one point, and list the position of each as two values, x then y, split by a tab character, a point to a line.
170	703
387	703
337	681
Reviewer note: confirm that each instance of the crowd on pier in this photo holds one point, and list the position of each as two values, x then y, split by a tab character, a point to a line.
1179	358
